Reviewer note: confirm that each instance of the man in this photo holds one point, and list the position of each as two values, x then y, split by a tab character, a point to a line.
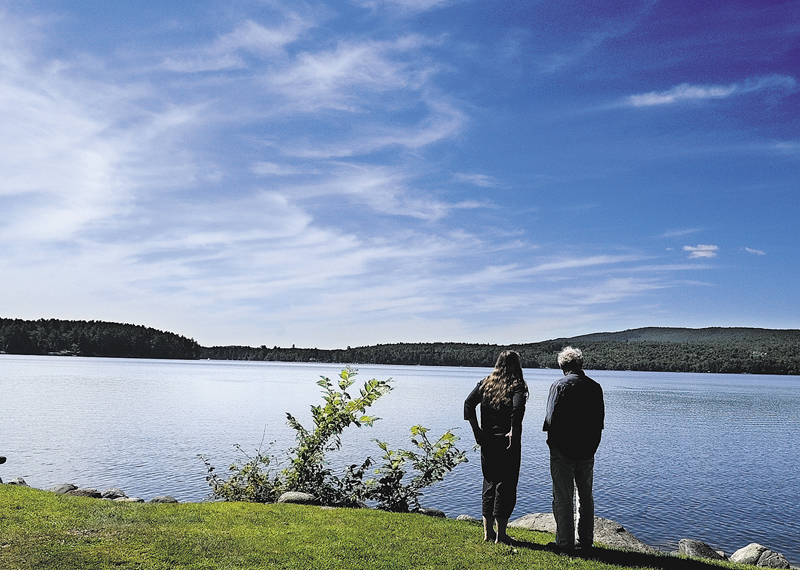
574	424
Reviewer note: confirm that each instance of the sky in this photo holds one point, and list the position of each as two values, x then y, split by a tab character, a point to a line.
353	172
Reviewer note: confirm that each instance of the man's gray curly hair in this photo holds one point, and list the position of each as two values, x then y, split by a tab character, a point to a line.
570	358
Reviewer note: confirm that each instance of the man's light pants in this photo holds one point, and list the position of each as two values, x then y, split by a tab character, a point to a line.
569	475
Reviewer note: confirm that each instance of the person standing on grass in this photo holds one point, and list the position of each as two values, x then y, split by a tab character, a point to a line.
502	396
574	423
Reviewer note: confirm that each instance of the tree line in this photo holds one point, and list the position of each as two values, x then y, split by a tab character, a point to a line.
661	349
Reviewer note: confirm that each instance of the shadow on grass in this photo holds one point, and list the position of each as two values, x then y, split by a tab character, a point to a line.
628	558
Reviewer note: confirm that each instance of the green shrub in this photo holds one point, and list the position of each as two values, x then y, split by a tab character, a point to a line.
307	470
432	465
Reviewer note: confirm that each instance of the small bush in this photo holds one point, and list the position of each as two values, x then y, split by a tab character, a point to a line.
307	471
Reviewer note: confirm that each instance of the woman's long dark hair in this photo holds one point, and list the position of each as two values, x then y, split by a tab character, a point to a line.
505	379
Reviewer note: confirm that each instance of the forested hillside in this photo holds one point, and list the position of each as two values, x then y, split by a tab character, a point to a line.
731	350
93	338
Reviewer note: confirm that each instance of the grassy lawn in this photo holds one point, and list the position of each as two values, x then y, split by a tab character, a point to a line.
42	530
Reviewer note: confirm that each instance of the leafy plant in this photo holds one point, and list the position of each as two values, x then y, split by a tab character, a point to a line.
253	481
434	462
307	471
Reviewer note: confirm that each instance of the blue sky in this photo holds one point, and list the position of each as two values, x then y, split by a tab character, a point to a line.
357	172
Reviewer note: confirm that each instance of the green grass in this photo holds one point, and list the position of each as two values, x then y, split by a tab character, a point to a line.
42	530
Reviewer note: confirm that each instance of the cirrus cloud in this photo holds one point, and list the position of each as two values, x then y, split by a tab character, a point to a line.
686	92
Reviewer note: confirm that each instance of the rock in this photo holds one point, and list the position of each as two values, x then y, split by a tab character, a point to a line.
164	499
749	554
697	549
18	481
428	512
91	493
128	500
63	488
606	531
770	559
113	493
297	498
758	555
467	518
542	522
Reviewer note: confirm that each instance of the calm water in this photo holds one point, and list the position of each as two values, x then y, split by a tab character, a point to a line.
711	457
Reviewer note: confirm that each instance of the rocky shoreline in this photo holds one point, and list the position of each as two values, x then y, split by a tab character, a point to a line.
606	531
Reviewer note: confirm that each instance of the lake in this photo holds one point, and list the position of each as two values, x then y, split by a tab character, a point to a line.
705	456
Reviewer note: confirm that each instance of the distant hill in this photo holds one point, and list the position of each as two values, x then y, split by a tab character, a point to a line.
93	338
716	349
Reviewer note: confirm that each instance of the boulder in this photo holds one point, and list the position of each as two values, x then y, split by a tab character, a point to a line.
542	522
770	559
606	531
297	498
63	488
467	518
18	481
164	499
758	555
128	500
431	512
697	549
113	493
91	493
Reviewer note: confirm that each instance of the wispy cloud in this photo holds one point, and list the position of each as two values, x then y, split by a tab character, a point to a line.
686	92
754	251
412	6
680	232
701	251
482	180
228	51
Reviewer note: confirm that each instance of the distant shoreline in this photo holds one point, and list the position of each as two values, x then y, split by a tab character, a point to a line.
731	350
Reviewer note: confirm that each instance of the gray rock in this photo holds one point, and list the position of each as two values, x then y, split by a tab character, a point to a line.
63	488
18	481
758	555
297	498
164	499
428	512
606	531
113	493
129	500
749	554
697	549
87	492
542	522
770	559
467	518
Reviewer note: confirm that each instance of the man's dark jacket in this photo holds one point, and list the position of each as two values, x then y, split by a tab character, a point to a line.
575	416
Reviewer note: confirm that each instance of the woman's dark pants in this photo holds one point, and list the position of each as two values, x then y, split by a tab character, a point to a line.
500	467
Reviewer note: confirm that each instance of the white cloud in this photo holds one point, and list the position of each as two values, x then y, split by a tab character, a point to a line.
681	232
407	5
342	78
249	38
482	180
273	169
754	251
687	92
701	251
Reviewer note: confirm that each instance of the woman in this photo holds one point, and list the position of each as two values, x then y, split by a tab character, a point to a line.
502	397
